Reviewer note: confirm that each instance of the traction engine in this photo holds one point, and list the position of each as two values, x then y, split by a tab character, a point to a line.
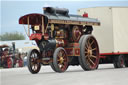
63	40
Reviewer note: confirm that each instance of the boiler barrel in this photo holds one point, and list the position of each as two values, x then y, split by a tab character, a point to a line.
52	44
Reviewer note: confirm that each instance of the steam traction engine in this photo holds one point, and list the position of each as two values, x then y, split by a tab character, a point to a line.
62	39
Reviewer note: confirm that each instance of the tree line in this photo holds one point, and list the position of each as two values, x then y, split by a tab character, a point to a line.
12	36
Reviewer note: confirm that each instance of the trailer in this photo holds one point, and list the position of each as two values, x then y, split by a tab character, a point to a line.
112	35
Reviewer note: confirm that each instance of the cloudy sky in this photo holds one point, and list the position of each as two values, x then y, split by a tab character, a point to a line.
11	11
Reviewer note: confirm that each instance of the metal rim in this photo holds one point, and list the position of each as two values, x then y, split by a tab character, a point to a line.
62	60
91	52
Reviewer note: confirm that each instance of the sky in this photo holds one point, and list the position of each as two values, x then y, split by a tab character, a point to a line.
11	11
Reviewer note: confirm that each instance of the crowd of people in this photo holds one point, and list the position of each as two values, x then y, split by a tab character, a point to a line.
9	60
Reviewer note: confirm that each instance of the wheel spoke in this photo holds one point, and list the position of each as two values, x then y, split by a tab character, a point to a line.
58	54
89	44
35	55
91	61
93	56
86	57
32	55
87	60
86	48
92	42
93	49
35	67
63	54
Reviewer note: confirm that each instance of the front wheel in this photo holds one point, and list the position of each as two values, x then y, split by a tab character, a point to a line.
89	53
60	60
33	61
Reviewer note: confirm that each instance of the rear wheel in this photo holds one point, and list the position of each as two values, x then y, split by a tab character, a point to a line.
119	61
89	53
60	60
33	61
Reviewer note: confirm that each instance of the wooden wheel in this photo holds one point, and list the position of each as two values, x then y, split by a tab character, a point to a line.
89	53
60	60
33	61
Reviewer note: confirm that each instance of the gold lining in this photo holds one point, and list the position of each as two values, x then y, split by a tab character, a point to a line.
73	22
52	29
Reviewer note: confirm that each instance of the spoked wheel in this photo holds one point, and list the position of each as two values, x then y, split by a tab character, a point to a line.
33	61
119	61
89	53
60	60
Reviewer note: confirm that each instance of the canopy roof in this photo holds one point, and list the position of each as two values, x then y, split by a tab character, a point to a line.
36	19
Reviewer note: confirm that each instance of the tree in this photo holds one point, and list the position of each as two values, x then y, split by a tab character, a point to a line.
12	36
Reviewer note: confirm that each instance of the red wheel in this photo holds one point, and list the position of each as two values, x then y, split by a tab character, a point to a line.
9	63
60	60
89	53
